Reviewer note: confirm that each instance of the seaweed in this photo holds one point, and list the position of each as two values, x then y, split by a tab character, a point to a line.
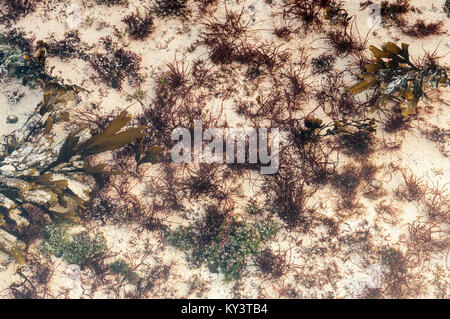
253	72
336	14
229	41
154	279
323	63
209	181
50	182
106	140
166	8
423	243
14	61
393	12
346	183
308	12
100	207
205	4
343	42
19	39
221	243
201	181
398	79
436	203
311	154
34	280
13	10
396	122
51	179
314	129
271	265
294	82
138	27
283	32
34	69
336	101
420	29
38	220
439	136
176	78
318	137
56	95
174	104
116	65
396	276
120	267
10	59
222	37
29	67
289	199
412	190
358	144
152	155
253	209
69	47
79	249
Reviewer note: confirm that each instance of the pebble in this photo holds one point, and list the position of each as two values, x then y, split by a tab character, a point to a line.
375	183
11	119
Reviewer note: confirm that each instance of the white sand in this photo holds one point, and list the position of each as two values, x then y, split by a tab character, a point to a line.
320	267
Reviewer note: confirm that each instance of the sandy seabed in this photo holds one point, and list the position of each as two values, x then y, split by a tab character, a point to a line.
376	238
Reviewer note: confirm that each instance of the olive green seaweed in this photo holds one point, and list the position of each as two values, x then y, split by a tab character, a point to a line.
396	78
229	250
38	168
